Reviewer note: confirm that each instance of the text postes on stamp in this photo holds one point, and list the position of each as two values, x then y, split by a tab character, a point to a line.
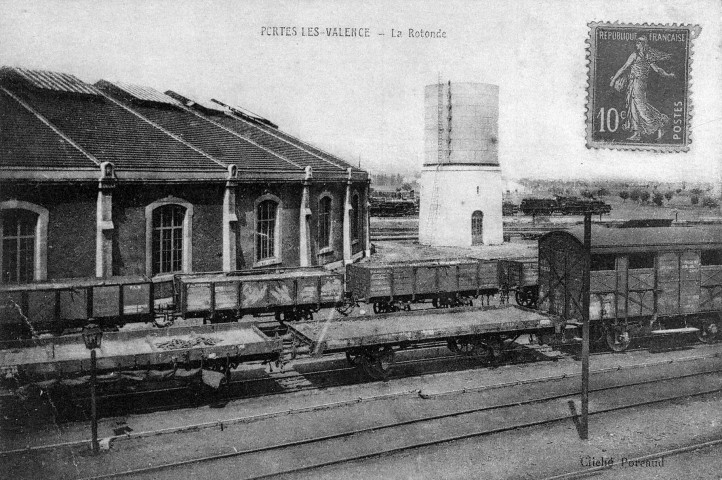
638	91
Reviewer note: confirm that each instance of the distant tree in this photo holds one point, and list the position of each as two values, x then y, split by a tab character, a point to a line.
587	194
668	195
602	192
696	191
634	196
644	196
407	186
709	202
624	195
657	199
694	199
678	190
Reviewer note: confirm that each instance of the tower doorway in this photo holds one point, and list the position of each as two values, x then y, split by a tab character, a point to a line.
477	227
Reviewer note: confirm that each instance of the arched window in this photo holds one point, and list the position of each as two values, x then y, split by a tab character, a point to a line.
168	234
23	242
324	222
477	227
355	216
18	249
168	238
266	230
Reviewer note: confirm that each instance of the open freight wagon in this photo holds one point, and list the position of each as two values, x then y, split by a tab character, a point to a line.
290	294
54	306
445	282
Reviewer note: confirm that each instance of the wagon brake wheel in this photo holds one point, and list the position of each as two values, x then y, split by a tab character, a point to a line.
377	365
708	331
346	307
618	339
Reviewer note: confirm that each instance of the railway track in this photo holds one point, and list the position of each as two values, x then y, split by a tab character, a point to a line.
427	429
514	381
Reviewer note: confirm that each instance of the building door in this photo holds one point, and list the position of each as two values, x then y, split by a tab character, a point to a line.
477	227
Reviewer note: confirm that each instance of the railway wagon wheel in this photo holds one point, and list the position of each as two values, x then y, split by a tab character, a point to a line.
526	297
708	330
378	363
471	347
618	339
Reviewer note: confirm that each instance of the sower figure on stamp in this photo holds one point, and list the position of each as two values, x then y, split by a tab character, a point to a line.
642	118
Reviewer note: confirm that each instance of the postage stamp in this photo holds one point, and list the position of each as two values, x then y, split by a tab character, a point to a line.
639	86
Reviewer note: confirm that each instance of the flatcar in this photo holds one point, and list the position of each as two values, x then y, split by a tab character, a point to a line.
394	286
643	281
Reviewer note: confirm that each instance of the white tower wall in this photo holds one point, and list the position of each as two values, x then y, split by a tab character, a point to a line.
461	173
466	189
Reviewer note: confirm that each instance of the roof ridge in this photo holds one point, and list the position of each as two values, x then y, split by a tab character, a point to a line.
55	129
173	136
236	134
297	146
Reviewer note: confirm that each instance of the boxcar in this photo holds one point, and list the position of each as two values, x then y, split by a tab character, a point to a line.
643	281
447	282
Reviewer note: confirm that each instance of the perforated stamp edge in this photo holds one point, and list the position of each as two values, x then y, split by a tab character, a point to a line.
694	31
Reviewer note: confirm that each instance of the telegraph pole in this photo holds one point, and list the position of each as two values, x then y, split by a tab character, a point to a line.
584	430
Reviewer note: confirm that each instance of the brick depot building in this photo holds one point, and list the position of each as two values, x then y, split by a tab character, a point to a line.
116	179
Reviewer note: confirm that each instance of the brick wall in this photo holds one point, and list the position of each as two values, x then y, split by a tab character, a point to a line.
71	225
129	203
72	216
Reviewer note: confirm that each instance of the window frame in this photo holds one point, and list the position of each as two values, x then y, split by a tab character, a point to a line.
477	218
648	256
708	256
600	260
40	243
355	217
276	257
187	235
328	237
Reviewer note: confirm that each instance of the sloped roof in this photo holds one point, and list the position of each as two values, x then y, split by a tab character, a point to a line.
25	141
56	121
53	81
112	134
208	106
139	92
618	240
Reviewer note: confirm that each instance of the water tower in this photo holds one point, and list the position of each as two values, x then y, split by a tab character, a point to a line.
461	179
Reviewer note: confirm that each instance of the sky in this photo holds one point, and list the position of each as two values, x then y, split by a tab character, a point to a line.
362	97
